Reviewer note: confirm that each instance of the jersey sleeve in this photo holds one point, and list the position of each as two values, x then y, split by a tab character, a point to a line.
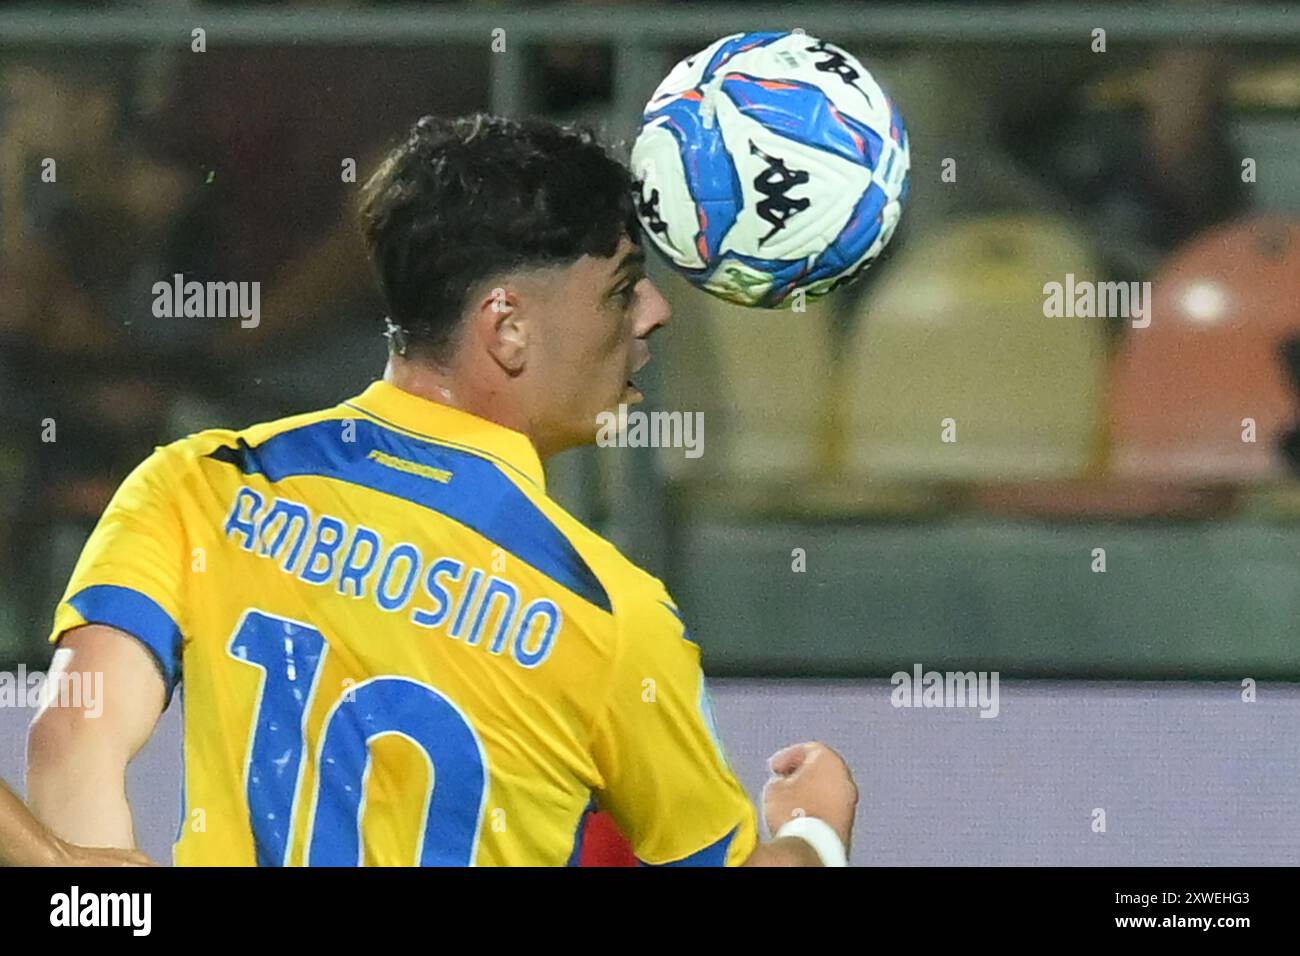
666	780
131	571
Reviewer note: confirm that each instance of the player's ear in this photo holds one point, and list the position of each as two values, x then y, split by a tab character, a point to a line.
507	333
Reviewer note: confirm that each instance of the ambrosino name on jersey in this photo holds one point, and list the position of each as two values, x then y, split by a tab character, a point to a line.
357	562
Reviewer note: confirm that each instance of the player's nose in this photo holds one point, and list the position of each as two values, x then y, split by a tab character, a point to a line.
655	310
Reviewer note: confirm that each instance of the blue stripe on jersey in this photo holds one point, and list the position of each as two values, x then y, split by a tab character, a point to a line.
140	616
580	833
441	442
715	854
477	495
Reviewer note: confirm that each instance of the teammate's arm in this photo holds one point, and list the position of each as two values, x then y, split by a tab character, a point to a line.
24	842
77	756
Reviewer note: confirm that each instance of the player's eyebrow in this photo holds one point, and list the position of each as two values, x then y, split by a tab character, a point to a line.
633	261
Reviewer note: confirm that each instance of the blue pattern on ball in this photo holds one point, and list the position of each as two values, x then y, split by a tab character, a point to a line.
801	112
710	176
747	41
854	239
791	109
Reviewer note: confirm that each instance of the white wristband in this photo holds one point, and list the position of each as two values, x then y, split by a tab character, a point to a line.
819	835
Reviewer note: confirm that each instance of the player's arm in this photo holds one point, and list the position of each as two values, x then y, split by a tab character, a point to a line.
119	632
787	851
77	754
666	781
24	842
812	791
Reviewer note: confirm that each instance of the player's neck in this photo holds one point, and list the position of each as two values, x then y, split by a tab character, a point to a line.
448	388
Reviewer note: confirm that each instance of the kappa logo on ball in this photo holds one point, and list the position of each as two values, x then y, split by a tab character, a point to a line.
647	208
837	62
775	183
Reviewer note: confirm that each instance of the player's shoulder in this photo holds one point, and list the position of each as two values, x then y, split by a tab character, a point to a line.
261	432
633	591
187	452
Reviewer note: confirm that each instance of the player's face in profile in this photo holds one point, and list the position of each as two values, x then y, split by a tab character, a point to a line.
601	313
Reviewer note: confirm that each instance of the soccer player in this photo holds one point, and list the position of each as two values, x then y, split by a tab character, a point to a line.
394	647
24	841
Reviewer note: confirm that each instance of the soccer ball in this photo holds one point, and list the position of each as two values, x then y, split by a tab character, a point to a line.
769	163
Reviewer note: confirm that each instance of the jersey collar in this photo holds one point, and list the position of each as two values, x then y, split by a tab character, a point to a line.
424	418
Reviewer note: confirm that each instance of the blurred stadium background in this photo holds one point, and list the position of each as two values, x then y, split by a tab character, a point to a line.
821	429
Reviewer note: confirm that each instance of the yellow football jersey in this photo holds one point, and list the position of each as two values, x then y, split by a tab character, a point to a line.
395	649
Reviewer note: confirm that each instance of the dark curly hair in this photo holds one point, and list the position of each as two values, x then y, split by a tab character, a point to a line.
468	198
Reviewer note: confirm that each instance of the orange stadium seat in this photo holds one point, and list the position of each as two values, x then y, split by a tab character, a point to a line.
1187	389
